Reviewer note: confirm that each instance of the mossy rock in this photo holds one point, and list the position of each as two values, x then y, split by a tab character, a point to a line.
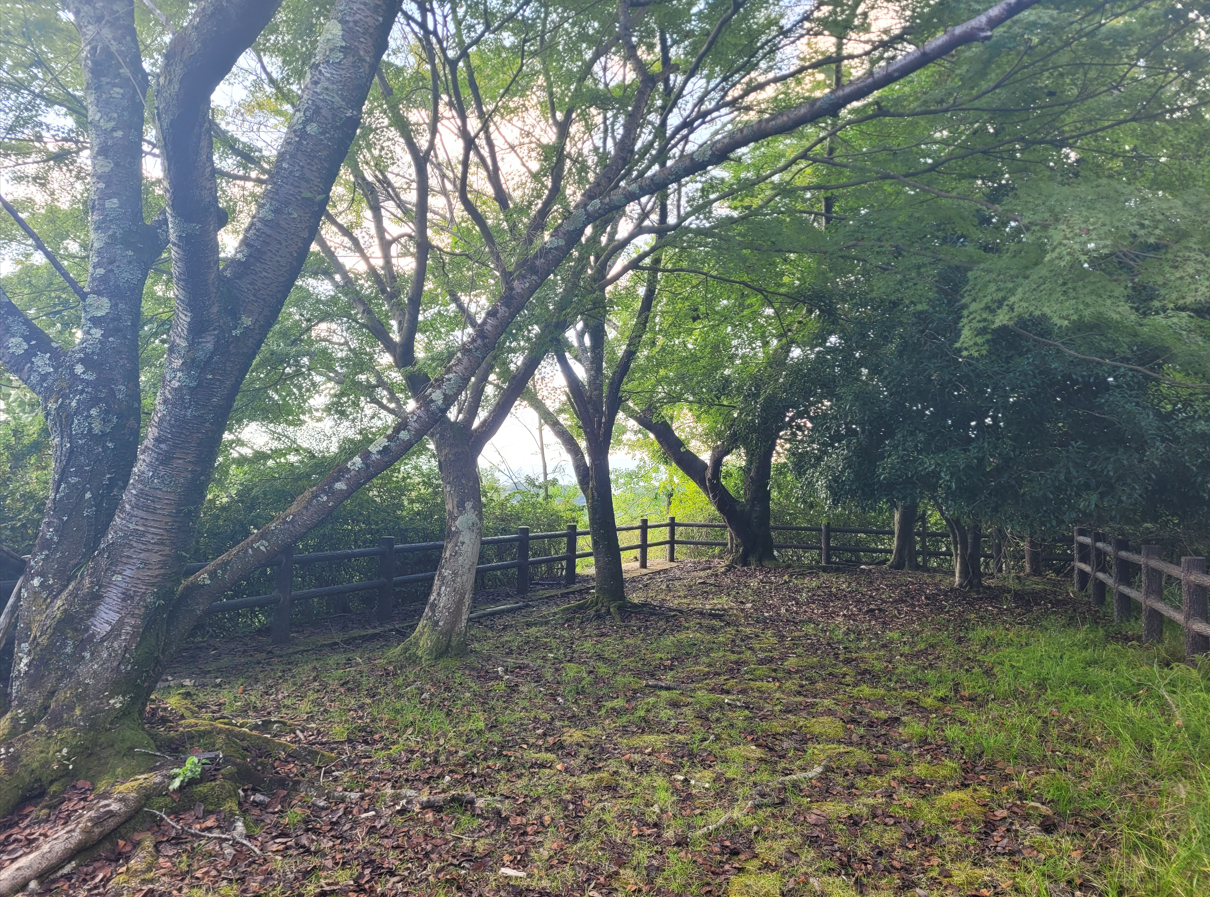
750	884
824	727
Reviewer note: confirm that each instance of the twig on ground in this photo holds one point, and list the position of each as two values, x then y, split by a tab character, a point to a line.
760	799
499	609
155	754
233	837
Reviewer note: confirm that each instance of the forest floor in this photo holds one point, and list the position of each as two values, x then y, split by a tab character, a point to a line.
1003	742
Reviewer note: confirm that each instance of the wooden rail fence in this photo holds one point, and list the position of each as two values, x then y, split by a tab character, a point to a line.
286	565
1106	565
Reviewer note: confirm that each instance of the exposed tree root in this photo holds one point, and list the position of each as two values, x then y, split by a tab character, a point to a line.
497	610
597	606
111	808
229	740
760	799
105	814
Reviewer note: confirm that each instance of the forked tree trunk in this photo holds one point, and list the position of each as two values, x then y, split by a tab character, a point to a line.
904	555
966	542
749	536
92	648
442	628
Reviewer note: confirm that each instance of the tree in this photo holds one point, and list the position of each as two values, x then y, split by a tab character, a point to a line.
104	582
728	367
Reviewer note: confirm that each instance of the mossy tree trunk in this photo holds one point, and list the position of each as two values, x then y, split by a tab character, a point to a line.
442	628
102	610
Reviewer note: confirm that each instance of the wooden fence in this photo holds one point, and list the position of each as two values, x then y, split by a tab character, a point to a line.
286	566
1109	565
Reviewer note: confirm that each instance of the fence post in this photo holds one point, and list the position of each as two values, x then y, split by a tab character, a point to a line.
1153	594
997	556
386	573
825	544
642	543
1080	554
1121	577
283	583
1033	557
522	560
671	539
922	542
1193	601
569	572
1097	563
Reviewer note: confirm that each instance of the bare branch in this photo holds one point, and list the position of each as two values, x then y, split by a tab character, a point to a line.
43	248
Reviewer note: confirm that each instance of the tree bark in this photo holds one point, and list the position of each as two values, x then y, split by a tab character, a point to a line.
591	467
966	541
904	554
603	528
442	628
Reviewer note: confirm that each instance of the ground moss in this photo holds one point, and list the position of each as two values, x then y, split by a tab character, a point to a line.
750	884
744	753
139	869
945	771
824	727
179	702
963	804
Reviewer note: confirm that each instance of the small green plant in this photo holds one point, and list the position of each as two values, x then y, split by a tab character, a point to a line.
187	773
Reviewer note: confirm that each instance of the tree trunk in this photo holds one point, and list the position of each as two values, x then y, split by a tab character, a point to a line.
442	629
966	541
752	546
91	650
904	555
610	587
749	538
1033	557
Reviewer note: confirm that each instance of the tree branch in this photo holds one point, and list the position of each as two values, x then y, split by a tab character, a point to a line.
43	248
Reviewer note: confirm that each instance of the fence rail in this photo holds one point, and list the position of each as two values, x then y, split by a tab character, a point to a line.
1094	553
284	567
